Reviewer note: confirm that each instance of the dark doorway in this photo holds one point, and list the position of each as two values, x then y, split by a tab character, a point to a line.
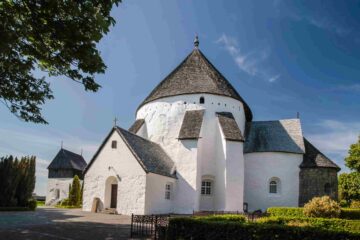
114	188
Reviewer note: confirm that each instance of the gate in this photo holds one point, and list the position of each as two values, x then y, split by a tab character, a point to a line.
149	225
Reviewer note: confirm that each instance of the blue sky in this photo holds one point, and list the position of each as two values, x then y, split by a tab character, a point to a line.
283	57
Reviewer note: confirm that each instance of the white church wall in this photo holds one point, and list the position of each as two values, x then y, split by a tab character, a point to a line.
163	119
155	202
60	184
234	176
260	168
119	163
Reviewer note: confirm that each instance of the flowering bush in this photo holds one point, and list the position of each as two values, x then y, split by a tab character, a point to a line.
323	207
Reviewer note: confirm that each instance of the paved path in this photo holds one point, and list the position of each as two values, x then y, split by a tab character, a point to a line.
64	224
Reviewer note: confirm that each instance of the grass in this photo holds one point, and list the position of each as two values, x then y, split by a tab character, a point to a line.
40	203
66	206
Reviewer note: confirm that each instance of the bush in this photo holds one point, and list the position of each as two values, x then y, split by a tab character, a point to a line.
319	223
285	212
32	204
198	229
349	213
65	202
223	218
322	207
355	204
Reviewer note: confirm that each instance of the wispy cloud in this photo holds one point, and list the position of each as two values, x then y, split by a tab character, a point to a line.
335	138
249	62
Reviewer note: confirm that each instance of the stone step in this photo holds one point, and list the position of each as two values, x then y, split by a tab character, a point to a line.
109	211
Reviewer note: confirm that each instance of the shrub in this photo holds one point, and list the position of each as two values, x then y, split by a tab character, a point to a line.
349	213
285	211
322	207
75	191
319	223
65	202
197	229
32	204
355	204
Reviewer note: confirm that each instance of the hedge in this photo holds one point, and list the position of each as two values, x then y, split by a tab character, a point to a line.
346	213
285	212
198	229
350	213
334	224
223	218
10	209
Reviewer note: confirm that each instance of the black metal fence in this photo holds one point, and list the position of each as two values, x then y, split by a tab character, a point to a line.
155	226
152	226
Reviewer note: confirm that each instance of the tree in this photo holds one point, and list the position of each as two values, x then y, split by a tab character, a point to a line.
57	37
349	186
352	161
74	199
17	181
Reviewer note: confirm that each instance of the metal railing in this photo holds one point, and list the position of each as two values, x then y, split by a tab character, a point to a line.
148	225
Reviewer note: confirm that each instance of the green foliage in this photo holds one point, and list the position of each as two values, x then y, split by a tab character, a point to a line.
65	202
74	199
352	161
349	186
32	204
285	211
40	203
332	224
355	203
17	181
348	213
322	207
224	218
196	229
57	37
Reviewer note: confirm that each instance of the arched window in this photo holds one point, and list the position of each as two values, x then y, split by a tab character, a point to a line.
274	185
202	100
327	188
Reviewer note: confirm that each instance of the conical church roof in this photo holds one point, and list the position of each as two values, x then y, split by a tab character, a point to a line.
196	75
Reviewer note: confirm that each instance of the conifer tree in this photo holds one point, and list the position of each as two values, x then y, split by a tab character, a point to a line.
74	199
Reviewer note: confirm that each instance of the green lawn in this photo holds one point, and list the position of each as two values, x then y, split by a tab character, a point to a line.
40	203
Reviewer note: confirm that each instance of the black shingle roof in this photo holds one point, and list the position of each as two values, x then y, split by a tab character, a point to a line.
150	155
274	136
196	75
136	125
313	158
65	159
191	125
229	127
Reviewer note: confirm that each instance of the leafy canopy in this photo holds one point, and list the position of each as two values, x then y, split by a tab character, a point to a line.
352	161
349	189
57	37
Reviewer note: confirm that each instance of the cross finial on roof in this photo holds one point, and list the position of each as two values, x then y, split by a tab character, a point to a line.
196	41
115	121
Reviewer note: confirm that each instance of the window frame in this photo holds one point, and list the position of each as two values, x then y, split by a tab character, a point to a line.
202	100
206	187
168	191
274	182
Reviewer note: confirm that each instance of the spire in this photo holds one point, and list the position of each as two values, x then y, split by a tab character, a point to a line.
196	41
115	121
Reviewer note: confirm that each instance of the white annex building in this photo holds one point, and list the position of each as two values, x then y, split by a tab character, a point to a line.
194	147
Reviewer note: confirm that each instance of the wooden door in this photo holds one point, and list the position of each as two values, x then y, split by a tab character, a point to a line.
114	188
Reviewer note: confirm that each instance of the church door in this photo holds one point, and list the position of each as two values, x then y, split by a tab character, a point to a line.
114	188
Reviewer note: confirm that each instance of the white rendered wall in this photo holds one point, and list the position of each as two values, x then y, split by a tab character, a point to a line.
57	183
193	159
155	194
132	183
260	168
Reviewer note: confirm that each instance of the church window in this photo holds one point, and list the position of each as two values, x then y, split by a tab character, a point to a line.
114	144
206	187
273	187
327	188
202	100
168	191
